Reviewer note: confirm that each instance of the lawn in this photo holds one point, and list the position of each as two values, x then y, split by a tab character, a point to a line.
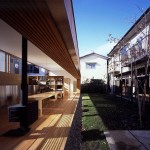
102	113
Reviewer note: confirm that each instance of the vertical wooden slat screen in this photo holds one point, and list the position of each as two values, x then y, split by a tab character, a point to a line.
34	21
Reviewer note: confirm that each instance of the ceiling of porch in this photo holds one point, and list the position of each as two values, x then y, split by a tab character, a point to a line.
51	36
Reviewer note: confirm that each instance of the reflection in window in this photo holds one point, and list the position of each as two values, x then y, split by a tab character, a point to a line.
32	68
15	65
2	61
90	65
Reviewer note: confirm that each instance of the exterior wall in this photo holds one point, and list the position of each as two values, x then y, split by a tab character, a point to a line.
139	35
134	50
100	71
114	64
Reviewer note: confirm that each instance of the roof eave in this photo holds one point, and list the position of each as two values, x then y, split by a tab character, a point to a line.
131	32
35	21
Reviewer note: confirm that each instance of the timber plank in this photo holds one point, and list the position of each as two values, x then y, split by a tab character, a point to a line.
49	132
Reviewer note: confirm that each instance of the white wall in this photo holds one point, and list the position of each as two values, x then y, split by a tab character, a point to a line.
10	39
10	42
100	71
142	34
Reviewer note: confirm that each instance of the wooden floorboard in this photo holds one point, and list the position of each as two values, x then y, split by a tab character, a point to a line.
50	131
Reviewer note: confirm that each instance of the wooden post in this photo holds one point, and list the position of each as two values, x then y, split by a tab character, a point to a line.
145	83
78	85
149	86
24	88
24	85
114	77
121	82
22	109
121	74
131	90
107	88
138	98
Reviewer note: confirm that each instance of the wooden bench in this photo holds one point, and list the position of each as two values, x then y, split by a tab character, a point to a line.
42	96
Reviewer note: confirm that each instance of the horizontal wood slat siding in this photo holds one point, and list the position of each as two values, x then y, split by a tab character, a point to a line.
34	21
9	79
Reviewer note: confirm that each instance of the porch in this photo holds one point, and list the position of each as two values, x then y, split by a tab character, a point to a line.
50	131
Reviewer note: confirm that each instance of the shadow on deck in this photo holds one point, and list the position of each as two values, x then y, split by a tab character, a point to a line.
49	132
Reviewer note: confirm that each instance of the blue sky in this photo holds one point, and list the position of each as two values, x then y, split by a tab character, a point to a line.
96	19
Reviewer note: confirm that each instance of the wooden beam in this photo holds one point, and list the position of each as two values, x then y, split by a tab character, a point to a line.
34	21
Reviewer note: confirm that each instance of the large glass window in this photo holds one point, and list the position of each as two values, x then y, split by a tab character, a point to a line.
15	65
2	61
90	65
33	68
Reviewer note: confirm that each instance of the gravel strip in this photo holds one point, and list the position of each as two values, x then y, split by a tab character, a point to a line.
74	139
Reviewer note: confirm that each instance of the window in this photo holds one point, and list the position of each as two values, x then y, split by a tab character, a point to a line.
32	68
90	65
2	63
15	65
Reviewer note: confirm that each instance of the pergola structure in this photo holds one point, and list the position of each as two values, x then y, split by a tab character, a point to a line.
49	25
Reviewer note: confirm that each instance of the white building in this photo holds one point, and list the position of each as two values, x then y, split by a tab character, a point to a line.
128	64
94	66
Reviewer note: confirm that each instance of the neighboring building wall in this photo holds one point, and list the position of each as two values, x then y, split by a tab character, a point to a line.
132	51
93	66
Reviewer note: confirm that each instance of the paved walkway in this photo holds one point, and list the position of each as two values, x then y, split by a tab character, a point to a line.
128	139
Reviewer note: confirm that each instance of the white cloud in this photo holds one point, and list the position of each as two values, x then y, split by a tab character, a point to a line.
105	49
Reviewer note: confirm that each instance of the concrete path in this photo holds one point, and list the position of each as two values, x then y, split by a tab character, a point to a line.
128	139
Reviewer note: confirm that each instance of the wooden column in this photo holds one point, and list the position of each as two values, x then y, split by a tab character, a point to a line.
121	82
108	85
131	90
24	86
78	85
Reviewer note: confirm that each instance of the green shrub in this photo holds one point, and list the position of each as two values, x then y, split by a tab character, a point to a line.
93	86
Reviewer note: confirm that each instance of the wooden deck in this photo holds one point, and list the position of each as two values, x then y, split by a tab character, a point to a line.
49	132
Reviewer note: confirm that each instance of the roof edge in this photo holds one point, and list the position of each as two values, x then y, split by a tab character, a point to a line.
132	27
93	53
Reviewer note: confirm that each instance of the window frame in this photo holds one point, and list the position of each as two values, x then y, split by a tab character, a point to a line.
90	65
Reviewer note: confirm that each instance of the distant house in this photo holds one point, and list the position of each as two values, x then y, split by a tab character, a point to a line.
94	66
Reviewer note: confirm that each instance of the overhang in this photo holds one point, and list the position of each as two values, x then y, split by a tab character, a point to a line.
49	25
